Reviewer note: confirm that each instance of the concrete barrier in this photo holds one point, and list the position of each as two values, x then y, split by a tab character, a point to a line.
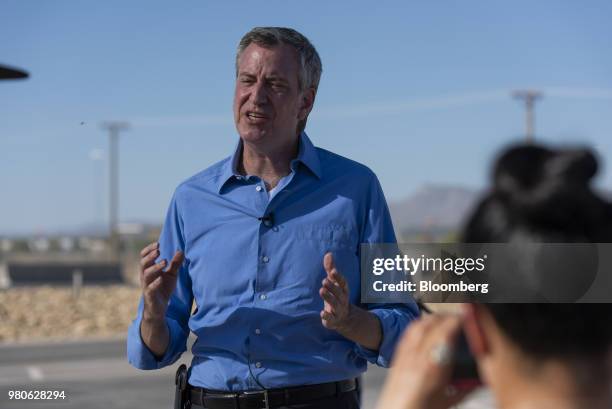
59	269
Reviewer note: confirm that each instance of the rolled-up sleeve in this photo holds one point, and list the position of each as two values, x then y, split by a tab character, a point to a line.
394	318
179	306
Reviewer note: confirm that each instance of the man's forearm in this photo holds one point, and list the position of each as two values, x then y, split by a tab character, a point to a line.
363	327
155	335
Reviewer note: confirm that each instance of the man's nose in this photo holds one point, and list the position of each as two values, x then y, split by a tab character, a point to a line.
259	95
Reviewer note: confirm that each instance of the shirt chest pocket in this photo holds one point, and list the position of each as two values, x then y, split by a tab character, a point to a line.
328	236
312	241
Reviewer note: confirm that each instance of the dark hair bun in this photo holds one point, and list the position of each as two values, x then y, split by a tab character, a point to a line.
525	168
548	190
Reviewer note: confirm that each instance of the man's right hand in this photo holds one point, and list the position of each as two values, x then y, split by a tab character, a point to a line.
157	284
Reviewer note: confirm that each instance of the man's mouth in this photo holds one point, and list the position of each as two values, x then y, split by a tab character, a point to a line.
255	115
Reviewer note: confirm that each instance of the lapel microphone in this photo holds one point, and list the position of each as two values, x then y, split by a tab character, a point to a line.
267	220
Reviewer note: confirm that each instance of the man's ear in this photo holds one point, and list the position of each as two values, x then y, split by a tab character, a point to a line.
473	328
308	98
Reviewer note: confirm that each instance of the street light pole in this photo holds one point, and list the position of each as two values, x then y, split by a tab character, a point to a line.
113	128
529	97
96	159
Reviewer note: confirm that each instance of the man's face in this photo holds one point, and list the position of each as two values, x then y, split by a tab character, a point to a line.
267	102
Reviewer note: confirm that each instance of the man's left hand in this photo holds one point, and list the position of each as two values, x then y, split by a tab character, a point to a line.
336	313
358	325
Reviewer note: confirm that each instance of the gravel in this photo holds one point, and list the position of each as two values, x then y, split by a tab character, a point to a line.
43	313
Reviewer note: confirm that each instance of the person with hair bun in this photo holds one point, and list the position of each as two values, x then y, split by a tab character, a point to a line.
530	355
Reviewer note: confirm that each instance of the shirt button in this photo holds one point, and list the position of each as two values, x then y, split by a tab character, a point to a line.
257	331
258	364
263	297
265	259
267	222
258	188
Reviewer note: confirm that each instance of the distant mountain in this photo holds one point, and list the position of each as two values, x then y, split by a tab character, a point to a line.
433	208
438	210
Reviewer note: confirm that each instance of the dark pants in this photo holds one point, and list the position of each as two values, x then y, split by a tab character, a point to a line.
346	400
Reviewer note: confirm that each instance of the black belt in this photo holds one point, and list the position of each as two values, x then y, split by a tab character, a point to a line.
269	398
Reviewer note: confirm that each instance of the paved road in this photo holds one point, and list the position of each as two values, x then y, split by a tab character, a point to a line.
95	375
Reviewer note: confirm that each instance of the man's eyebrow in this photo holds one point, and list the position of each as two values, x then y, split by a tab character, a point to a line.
275	77
272	77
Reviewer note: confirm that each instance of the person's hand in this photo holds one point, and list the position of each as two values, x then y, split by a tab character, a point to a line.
335	293
157	283
421	371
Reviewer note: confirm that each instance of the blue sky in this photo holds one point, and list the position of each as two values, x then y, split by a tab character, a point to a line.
418	91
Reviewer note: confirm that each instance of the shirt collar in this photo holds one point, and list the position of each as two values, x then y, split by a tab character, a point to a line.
307	155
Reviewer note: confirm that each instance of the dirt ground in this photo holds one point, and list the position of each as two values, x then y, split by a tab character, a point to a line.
35	313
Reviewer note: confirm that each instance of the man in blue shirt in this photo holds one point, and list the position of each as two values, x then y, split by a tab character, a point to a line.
266	243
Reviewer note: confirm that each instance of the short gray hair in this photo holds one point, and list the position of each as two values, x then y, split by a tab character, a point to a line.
310	62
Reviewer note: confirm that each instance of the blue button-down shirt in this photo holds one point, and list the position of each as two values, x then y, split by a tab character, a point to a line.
254	266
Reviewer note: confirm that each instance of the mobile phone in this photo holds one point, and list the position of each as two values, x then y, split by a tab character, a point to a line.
465	371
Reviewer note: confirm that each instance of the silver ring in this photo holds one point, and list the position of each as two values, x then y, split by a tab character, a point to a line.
441	354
